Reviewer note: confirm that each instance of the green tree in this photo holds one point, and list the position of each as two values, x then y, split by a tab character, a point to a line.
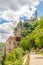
24	33
14	57
35	38
27	43
41	22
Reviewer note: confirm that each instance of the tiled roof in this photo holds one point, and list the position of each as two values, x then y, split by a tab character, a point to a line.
11	38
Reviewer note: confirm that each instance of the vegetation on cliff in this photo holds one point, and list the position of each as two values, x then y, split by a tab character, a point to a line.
35	38
32	38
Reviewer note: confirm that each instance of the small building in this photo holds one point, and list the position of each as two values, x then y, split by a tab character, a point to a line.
11	43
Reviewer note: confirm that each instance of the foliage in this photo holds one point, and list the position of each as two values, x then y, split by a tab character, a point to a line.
35	24
19	24
28	29
24	33
35	39
26	43
26	25
14	57
41	22
38	36
1	48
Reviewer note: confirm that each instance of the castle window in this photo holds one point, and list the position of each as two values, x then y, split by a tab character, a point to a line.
17	38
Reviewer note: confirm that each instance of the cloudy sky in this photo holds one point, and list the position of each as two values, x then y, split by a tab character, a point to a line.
12	10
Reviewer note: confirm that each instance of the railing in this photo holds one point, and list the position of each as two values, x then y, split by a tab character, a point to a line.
26	59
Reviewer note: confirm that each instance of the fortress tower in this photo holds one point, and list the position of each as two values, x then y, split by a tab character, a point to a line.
36	14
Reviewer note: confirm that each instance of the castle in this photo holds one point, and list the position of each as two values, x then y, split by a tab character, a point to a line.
32	19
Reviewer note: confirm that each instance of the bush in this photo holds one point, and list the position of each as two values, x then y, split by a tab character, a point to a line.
14	57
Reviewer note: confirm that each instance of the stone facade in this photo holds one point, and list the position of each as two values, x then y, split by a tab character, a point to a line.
11	43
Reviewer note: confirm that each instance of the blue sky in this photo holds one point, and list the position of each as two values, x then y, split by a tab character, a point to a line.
40	9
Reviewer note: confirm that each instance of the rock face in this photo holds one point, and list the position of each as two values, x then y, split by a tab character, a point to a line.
11	43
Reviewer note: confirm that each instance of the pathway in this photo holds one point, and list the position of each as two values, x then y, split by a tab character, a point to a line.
36	59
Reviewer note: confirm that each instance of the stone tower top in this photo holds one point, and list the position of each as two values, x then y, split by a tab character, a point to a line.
36	14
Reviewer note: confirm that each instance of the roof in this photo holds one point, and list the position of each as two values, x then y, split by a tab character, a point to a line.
33	19
11	38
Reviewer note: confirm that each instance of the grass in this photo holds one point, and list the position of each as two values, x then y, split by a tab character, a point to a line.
41	53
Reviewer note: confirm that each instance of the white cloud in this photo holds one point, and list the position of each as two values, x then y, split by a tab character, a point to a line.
12	10
6	31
